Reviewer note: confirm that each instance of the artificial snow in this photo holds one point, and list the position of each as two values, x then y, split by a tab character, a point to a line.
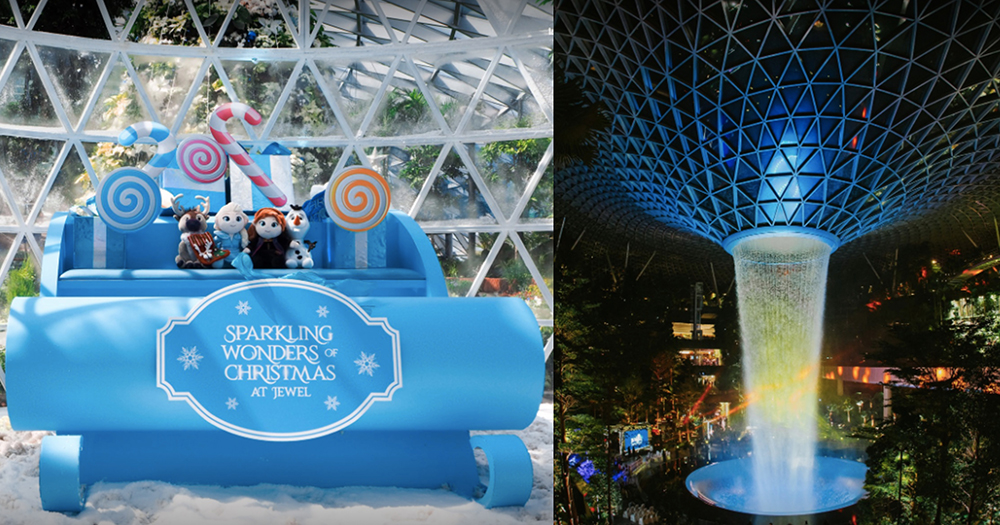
148	502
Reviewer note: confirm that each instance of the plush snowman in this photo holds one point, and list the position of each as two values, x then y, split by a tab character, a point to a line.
297	223
298	255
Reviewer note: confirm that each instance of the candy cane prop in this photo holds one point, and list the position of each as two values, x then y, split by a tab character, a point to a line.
217	123
166	144
358	199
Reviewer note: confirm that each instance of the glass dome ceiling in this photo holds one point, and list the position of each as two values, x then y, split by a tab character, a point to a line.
451	100
731	115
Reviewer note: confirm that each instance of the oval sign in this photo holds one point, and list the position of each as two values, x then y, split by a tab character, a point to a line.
278	360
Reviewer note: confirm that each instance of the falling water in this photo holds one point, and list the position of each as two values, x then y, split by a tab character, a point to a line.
781	283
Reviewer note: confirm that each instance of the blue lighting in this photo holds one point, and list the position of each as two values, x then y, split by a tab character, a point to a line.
824	117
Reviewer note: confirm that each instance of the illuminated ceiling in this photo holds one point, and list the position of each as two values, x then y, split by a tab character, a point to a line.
850	117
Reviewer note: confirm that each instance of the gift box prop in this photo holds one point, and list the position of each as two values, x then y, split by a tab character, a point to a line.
276	162
96	246
324	377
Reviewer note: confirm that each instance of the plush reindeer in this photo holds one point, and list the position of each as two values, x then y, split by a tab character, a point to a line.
197	248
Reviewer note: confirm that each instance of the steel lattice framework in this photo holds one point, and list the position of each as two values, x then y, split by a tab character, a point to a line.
729	116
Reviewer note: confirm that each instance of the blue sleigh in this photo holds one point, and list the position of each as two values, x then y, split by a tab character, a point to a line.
329	377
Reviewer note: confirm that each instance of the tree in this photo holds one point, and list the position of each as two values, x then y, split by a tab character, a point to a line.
938	459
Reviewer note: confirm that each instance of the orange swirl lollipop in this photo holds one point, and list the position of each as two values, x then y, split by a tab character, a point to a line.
357	199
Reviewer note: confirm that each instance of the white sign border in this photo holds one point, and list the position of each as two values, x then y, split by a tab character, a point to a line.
207	415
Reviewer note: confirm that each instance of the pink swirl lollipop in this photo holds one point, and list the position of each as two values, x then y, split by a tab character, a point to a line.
201	159
217	123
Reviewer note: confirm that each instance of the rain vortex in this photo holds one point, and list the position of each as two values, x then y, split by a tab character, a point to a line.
781	283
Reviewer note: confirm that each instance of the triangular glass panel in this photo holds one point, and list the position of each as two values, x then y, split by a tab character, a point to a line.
27	9
23	100
258	83
71	187
768	210
84	19
312	169
435	24
353	26
118	105
352	158
398	18
408	169
509	276
354	85
120	15
766	194
6	47
537	17
403	109
507	102
452	80
792	191
460	256
454	194
339	27
74	74
306	113
7	15
500	15
791	210
149	28
106	157
294	9
26	165
6	215
507	166
211	94
167	81
254	24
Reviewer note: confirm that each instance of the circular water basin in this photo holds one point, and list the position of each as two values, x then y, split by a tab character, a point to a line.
730	485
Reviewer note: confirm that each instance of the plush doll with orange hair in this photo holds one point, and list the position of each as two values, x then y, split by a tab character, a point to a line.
269	239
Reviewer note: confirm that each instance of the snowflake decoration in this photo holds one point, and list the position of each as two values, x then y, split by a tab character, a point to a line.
366	363
232	403
332	403
190	357
243	307
322	311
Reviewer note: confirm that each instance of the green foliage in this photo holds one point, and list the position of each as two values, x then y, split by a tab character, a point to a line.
615	362
169	22
418	167
516	273
21	282
401	112
938	460
3	358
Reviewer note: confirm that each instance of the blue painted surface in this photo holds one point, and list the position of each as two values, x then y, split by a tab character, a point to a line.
510	470
59	473
94	357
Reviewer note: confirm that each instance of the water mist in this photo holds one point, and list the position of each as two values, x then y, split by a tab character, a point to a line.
781	284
